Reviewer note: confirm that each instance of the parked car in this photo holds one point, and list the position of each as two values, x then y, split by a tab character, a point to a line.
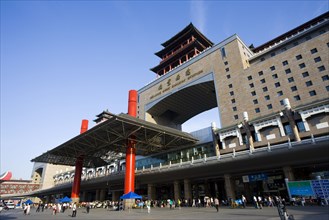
10	205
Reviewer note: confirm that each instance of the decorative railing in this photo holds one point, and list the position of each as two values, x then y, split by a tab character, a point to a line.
204	160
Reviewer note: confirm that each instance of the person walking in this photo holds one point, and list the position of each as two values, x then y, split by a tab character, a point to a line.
216	204
148	205
255	202
25	208
260	202
38	208
244	201
54	209
87	207
74	210
28	209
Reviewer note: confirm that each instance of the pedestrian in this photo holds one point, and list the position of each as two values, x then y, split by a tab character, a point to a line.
87	207
244	201
148	205
170	203
255	202
260	202
74	210
38	208
25	208
54	209
28	209
216	204
302	201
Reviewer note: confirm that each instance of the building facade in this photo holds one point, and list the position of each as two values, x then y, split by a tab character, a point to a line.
273	107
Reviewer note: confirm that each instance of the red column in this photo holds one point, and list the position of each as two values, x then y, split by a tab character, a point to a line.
78	168
131	151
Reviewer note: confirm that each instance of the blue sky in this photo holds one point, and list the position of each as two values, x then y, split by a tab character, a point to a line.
64	61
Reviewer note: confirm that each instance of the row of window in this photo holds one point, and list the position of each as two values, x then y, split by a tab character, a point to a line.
290	80
277	84
295	43
287	71
270	106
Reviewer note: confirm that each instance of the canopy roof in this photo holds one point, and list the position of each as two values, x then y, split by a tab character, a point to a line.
107	141
130	195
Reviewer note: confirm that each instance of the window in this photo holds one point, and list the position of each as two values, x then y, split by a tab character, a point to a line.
287	129
272	68
227	69
293	88
281	102
234	108
233	101
275	76
298	57
328	44
267	97
255	101
314	50
300	126
321	68
260	73
272	54
257	110
251	85
296	97
327	88
249	77
228	76
288	71
302	65
284	63
309	83
317	59
262	81
325	78
305	74
262	59
231	93
277	84
223	52
312	93
290	79
253	93
269	106
230	86
280	93
236	117
322	31
225	63
265	89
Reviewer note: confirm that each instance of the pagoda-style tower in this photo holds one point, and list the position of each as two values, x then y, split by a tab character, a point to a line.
183	46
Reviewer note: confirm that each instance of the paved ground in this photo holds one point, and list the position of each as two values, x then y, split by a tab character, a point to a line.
250	213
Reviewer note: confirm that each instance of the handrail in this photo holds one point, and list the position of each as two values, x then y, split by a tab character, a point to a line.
213	159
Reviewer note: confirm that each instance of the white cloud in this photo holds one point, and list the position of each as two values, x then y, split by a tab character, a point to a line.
198	14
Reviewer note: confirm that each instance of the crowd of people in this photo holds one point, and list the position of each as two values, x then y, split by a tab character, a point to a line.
257	201
54	207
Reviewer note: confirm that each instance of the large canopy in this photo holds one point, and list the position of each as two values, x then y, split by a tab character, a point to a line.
107	141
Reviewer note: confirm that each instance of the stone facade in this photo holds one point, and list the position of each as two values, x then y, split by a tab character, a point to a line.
295	68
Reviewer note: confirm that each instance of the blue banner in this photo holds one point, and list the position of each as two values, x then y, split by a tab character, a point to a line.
300	188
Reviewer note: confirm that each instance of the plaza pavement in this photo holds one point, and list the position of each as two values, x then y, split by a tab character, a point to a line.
250	213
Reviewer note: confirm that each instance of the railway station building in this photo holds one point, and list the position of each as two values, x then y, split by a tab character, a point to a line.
273	109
